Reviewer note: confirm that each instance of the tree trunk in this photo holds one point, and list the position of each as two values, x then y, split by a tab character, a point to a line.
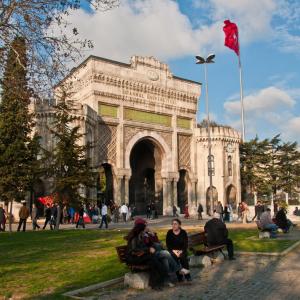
10	215
58	217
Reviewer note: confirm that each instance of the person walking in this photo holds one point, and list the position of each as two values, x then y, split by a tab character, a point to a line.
23	215
80	220
200	211
34	217
2	218
104	216
48	217
124	211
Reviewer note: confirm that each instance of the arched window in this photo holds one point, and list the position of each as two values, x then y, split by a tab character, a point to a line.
229	165
211	165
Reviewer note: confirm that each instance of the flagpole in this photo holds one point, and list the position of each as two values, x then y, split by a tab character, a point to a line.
242	97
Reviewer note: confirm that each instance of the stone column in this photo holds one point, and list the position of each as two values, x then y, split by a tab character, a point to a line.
126	184
193	206
175	200
118	190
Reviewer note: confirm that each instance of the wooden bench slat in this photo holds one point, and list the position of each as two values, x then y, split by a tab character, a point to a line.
198	239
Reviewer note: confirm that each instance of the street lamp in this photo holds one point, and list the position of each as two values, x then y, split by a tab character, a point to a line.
203	61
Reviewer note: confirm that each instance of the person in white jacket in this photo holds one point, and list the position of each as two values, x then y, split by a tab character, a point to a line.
124	211
104	216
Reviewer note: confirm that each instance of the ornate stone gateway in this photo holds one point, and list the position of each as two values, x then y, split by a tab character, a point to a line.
141	119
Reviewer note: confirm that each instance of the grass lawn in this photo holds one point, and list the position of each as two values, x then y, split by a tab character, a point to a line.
43	265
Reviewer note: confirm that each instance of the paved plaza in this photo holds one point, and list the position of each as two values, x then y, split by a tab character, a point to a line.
249	277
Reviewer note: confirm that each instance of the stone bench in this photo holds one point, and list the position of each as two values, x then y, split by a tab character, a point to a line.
138	280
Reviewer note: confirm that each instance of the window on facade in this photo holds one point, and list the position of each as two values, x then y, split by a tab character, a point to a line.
229	165
211	165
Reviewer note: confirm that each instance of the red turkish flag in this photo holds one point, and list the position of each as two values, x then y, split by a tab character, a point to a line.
231	36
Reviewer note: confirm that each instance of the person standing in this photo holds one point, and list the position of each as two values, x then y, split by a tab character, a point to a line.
148	211
239	212
116	213
226	214
220	210
217	234
2	218
175	211
48	217
186	211
259	209
200	211
53	215
177	245
23	215
124	211
34	217
65	215
104	216
80	220
245	211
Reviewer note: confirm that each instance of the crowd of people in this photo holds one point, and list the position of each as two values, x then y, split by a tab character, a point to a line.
112	212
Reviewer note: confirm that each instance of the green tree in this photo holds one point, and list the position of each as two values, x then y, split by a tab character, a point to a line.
15	127
254	159
289	167
68	164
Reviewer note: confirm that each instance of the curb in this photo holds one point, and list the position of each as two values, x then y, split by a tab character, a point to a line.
283	253
72	294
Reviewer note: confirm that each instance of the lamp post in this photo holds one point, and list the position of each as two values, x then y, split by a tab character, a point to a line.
203	61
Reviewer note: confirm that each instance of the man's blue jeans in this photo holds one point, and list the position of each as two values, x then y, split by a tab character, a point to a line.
169	262
273	228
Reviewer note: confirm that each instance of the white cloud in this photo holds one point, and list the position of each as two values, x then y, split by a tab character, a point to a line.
268	111
268	99
291	129
154	27
159	28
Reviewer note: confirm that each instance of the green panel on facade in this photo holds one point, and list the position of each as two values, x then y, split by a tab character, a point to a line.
147	117
106	110
184	123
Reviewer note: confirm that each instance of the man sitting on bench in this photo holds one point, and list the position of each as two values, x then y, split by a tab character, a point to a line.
217	234
266	223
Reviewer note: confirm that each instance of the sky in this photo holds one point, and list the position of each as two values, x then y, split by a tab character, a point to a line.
176	31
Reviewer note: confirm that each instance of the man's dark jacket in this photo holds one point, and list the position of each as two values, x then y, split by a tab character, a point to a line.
216	232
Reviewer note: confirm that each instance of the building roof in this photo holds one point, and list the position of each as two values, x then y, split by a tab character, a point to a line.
122	64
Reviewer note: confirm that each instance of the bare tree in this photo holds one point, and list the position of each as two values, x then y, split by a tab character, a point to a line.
52	43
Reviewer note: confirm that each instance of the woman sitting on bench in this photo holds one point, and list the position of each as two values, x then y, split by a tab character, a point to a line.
141	254
177	244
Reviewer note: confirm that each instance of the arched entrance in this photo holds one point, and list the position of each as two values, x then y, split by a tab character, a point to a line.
145	185
105	184
182	190
215	199
231	196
